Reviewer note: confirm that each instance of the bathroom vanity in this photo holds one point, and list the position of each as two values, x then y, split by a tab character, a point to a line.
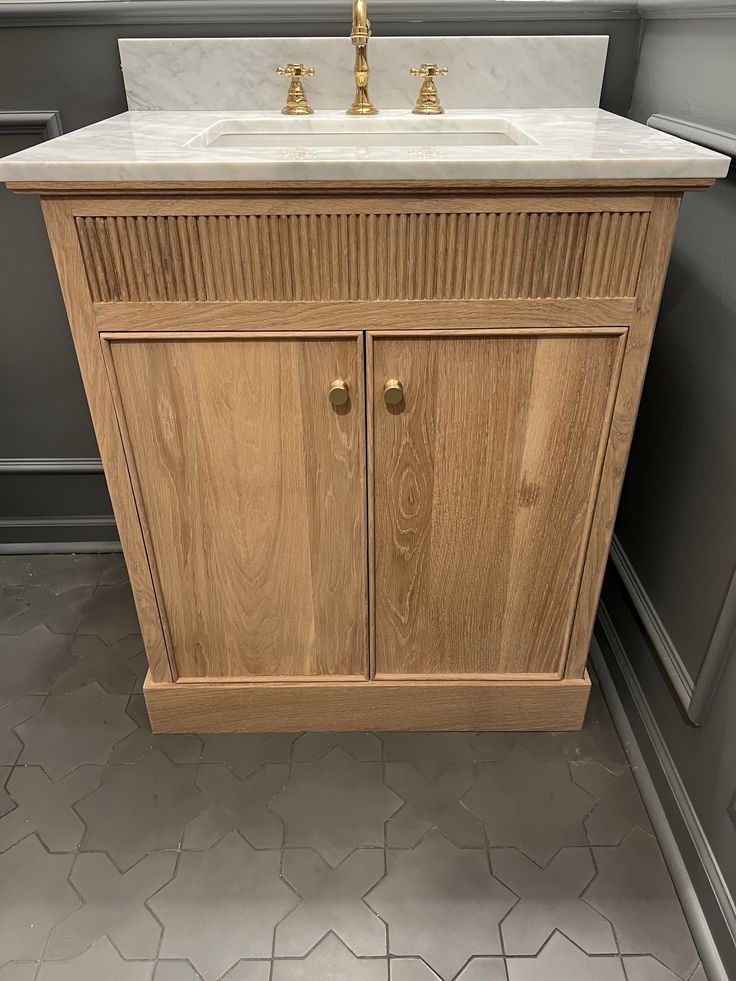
364	388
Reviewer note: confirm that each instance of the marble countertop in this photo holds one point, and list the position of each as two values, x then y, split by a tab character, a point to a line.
559	144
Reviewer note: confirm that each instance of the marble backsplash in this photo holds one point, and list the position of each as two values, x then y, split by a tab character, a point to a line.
486	73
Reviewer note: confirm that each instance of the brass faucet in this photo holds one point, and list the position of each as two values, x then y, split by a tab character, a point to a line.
360	34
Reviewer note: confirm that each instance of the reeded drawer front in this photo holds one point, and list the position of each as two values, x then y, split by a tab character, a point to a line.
382	255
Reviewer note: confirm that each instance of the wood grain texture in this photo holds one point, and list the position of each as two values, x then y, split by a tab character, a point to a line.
214	189
633	370
382	705
327	257
70	269
251	491
368	314
483	479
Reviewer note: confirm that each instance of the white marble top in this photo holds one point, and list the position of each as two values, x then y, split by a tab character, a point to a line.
485	72
567	144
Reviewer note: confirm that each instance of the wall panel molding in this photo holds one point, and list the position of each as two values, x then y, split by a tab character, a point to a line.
50	465
673	814
686	9
695	694
707	135
37	13
45	123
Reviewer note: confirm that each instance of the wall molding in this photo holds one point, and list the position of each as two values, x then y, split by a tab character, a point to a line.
41	13
686	9
39	535
664	813
695	694
46	123
706	135
45	465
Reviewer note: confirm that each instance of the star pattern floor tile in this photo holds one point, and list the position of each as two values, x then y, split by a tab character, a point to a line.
428	856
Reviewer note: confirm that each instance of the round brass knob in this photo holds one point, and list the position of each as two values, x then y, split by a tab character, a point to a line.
338	393
393	392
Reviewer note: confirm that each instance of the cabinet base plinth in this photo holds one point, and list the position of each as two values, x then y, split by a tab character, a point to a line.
349	706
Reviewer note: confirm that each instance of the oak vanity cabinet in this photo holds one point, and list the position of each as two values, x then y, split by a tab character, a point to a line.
427	554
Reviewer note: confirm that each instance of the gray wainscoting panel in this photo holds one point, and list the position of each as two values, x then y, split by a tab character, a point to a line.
46	498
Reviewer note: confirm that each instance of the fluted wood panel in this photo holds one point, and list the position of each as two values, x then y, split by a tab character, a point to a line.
445	256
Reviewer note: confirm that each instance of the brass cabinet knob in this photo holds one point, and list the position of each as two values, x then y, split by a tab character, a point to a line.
393	392
338	393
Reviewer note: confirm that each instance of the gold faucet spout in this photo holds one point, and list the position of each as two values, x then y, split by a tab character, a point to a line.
360	35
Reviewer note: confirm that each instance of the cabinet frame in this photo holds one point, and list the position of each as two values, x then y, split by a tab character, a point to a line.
372	395
234	706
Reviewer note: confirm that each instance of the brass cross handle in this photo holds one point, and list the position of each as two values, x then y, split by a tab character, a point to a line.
428	103
295	70
297	103
428	71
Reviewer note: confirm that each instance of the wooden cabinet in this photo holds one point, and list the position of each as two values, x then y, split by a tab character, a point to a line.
484	481
250	487
428	563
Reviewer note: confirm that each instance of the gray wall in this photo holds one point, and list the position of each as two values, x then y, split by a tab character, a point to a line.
74	67
669	602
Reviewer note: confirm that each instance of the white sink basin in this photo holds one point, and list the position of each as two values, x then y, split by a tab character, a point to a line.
340	131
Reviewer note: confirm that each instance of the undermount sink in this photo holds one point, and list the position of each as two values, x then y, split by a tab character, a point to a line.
340	132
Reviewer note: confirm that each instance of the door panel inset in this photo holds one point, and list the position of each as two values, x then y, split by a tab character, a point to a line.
484	476
250	486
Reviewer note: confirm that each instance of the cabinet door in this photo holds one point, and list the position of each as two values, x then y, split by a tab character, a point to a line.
250	488
484	482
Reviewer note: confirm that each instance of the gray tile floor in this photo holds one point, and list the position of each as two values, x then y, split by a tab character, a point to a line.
126	856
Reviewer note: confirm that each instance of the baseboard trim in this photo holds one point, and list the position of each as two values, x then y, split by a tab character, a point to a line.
665	813
339	706
44	465
58	548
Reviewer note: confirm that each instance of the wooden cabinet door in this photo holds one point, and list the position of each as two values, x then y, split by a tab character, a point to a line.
484	482
251	493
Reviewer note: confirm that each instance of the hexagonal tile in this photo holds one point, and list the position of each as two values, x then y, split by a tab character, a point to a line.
73	729
249	971
432	804
532	806
332	900
58	572
140	807
244	887
113	907
238	805
34	898
441	903
45	808
549	900
335	805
